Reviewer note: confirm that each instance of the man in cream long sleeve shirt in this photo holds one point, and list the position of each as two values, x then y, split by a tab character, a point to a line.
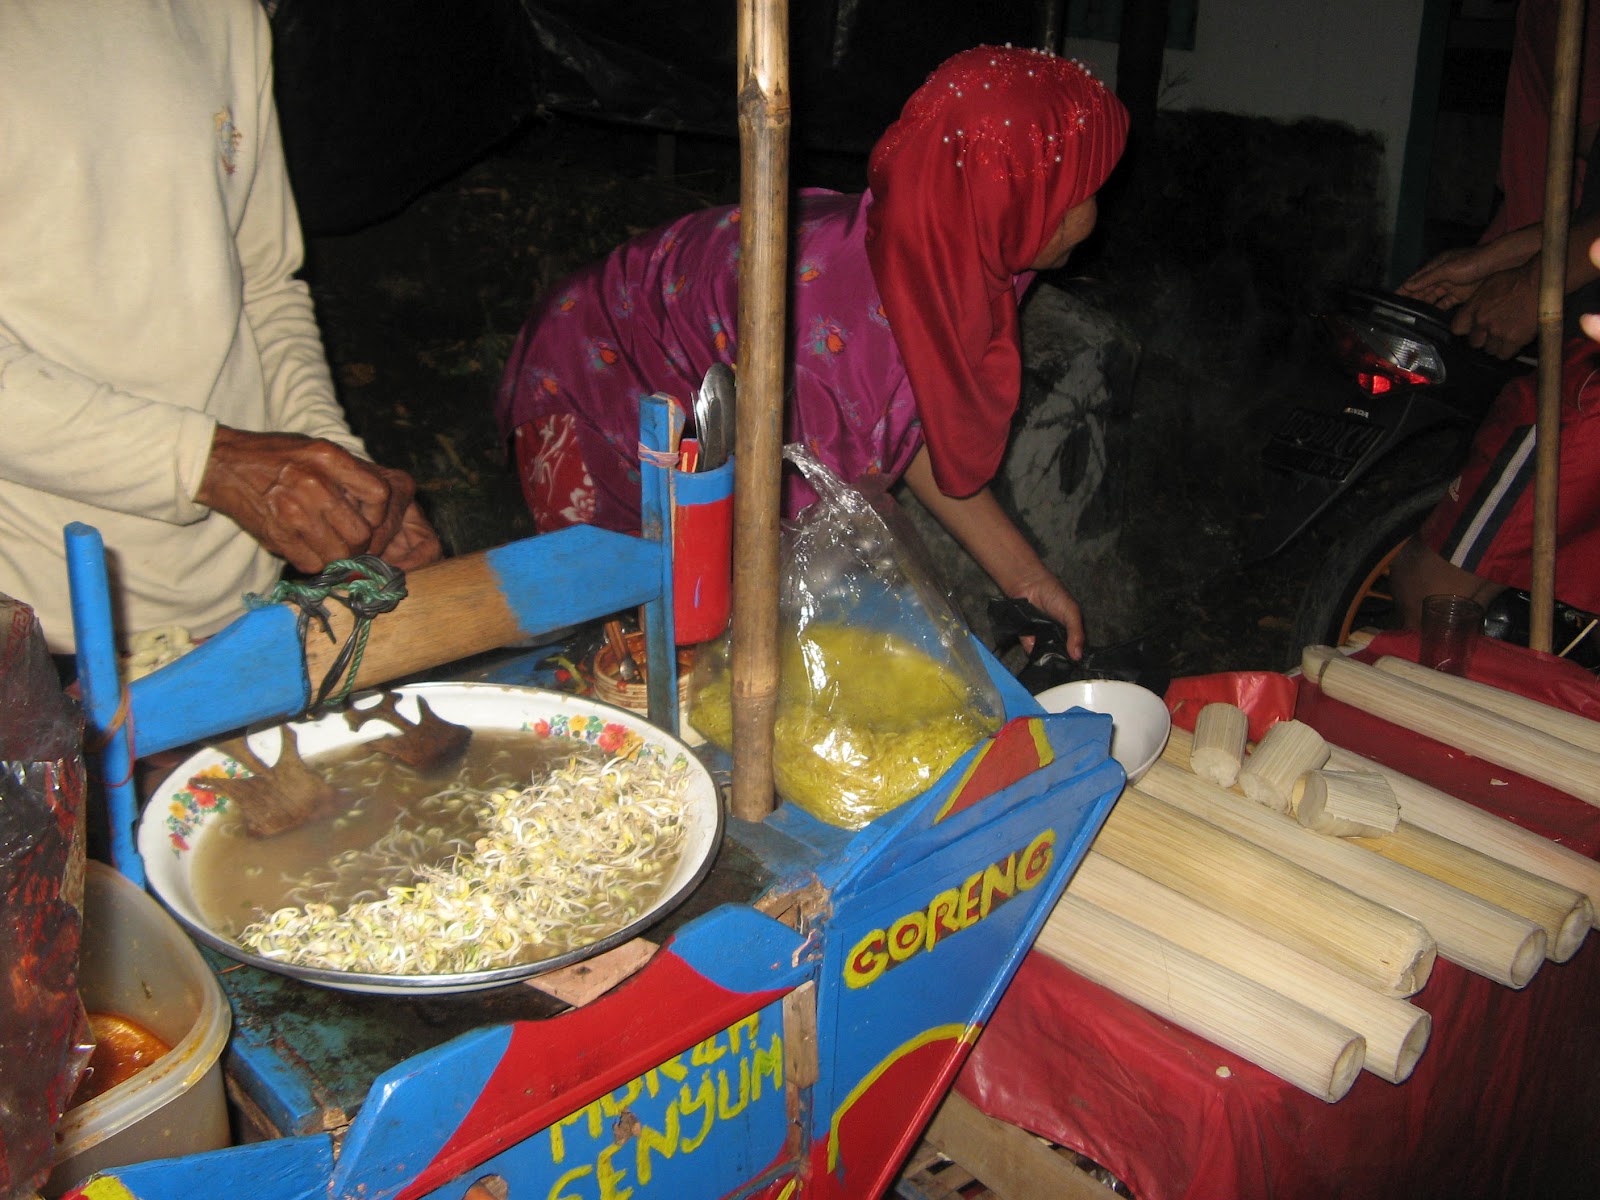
161	372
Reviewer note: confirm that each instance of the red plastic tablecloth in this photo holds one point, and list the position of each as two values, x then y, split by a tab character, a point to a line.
1505	1100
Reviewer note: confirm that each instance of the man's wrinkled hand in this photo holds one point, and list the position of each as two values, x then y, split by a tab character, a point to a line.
414	544
304	499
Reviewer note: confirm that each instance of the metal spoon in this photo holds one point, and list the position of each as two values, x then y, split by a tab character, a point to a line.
714	415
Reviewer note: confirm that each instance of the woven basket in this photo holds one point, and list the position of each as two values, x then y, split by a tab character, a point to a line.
609	686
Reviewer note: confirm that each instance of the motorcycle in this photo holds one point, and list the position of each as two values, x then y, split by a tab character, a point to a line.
1369	450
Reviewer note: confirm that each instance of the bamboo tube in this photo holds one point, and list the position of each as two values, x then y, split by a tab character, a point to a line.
1557	722
1288	751
763	54
1220	733
1314	658
1466	727
1359	938
1469	930
1345	803
1307	1049
1427	807
1565	915
1396	1031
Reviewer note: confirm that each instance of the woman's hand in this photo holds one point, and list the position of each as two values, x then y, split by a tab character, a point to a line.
1050	596
983	529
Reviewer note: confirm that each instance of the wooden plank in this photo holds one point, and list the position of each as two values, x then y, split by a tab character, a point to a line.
584	982
1012	1163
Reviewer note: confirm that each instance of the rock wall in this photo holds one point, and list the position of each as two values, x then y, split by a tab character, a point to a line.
1152	376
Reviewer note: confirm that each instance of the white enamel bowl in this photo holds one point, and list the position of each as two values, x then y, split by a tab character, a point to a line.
177	820
1140	721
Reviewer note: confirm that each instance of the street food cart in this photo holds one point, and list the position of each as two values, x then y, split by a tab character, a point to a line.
792	1041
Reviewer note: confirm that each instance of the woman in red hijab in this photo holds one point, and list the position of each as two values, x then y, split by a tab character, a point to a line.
903	313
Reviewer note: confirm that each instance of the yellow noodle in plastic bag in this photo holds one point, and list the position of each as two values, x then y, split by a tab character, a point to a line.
865	720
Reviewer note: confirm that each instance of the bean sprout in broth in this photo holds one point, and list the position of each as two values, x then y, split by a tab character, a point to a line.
470	870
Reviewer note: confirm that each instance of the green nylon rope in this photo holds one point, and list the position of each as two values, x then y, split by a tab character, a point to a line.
367	586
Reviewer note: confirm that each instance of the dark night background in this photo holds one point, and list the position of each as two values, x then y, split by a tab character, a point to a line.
453	161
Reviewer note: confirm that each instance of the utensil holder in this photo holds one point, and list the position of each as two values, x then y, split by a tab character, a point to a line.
702	553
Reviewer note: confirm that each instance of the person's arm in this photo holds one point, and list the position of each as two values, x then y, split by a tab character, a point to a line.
982	527
81	438
1502	315
1452	277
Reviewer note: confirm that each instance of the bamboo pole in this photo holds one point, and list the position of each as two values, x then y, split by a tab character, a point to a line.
1552	294
758	441
1466	727
1396	1031
1307	1049
1470	931
1427	807
1557	722
1366	941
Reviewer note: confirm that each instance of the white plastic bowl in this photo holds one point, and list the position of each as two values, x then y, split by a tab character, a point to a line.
1140	721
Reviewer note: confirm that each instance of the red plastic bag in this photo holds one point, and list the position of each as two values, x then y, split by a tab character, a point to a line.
1266	697
43	1032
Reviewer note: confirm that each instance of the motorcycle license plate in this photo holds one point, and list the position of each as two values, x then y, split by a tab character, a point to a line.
1327	445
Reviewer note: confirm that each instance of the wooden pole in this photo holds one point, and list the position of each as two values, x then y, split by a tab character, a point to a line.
1552	296
758	441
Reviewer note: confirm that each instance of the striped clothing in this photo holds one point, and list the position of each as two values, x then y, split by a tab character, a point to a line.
1485	524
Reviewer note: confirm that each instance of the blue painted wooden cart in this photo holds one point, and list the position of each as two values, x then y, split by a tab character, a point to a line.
793	1044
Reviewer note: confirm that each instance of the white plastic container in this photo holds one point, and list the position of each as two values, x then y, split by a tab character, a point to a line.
138	963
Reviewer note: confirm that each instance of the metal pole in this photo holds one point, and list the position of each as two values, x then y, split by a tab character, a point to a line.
763	274
1552	295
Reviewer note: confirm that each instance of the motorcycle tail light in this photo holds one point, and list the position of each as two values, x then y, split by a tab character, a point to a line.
1382	360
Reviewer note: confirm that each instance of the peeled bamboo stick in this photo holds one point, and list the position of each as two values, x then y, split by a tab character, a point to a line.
1557	722
1428	808
1374	945
1565	915
1520	884
1466	727
1220	733
1288	751
1395	1030
1345	803
1303	1047
1469	930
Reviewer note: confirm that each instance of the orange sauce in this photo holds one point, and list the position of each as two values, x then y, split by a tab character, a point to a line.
122	1049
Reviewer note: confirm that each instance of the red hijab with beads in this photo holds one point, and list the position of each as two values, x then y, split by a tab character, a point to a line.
968	186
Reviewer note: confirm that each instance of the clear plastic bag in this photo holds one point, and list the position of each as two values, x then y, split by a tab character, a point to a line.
881	685
44	1035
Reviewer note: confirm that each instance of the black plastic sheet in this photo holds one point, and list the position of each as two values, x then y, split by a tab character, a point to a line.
381	99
